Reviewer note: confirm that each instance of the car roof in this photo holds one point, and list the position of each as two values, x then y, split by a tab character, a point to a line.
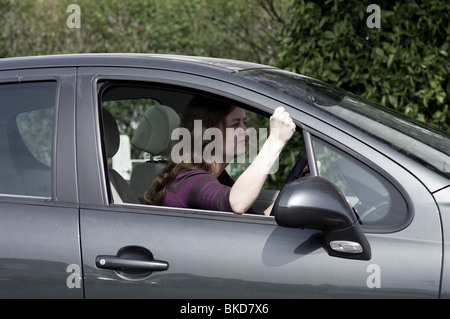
159	61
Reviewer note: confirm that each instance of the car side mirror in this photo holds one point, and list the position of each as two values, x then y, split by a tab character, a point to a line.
316	203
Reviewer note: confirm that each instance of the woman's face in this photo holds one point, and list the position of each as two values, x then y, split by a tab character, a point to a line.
235	135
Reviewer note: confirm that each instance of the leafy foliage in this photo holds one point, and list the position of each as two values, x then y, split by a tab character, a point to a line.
404	64
244	30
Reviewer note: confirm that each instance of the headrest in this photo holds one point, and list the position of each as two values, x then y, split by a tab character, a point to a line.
155	128
111	133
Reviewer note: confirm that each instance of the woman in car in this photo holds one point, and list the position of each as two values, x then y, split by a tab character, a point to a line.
198	181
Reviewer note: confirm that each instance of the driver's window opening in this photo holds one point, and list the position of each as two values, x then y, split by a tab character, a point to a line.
138	166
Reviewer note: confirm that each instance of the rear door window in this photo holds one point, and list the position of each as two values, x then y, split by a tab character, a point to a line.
26	138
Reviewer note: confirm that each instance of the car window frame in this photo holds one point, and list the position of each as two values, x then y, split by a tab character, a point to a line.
105	86
311	133
63	165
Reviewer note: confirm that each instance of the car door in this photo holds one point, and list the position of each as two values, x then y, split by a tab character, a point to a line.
138	251
39	246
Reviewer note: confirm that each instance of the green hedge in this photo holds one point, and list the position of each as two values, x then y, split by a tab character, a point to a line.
404	64
238	29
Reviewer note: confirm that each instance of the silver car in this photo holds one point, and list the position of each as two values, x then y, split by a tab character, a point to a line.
372	220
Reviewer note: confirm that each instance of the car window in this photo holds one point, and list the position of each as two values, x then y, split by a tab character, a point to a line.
26	138
378	203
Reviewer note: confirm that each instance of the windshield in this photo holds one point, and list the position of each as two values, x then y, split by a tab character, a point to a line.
416	140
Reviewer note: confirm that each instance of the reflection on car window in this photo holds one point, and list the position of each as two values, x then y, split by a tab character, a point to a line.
37	138
26	138
377	202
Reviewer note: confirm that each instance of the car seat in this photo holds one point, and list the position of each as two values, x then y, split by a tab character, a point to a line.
153	135
121	191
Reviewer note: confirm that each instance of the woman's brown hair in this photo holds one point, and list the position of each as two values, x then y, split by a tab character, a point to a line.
212	113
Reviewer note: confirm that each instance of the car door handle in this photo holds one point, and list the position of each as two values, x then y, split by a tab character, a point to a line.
118	263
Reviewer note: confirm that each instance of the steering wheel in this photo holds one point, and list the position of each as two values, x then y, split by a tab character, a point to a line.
296	170
376	212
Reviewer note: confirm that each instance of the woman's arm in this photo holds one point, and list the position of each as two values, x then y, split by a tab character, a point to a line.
248	186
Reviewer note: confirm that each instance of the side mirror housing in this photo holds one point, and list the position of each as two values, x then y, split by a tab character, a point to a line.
316	203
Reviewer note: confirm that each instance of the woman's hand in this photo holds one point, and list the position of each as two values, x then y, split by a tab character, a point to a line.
281	127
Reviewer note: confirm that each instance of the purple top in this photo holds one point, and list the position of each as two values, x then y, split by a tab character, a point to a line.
199	189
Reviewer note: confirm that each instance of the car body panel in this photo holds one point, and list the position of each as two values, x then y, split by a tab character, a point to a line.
244	259
39	243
